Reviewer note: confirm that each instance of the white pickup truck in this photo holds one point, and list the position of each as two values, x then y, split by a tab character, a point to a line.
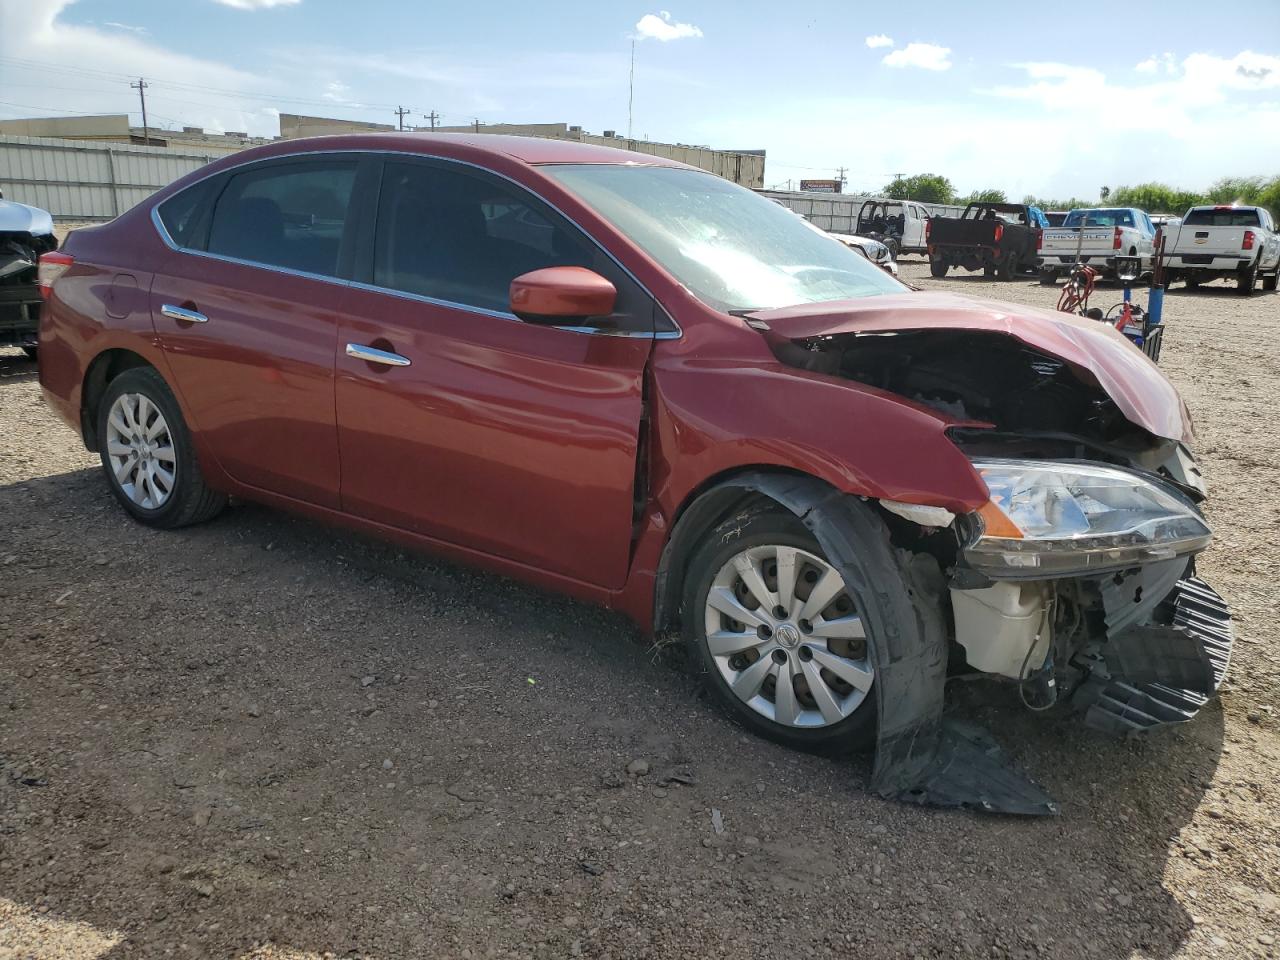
1109	232
1230	242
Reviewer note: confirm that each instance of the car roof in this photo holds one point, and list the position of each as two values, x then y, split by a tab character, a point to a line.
469	146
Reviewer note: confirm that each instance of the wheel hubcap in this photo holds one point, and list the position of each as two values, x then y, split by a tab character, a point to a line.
785	635
140	450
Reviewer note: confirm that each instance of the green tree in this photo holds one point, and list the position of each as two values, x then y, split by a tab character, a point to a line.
989	195
1156	198
1269	196
1049	203
1104	193
1236	190
925	187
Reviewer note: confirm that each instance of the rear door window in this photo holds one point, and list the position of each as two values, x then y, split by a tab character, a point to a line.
291	215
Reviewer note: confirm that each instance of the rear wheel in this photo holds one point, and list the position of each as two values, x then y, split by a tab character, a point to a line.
147	453
1007	266
1246	279
1193	282
31	352
779	635
937	268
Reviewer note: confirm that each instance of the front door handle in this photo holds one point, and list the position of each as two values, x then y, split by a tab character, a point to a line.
183	314
373	355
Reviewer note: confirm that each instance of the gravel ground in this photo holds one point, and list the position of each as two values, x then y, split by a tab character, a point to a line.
261	738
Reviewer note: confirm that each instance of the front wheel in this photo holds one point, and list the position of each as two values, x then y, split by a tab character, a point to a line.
147	453
1048	278
33	353
1269	283
779	635
937	269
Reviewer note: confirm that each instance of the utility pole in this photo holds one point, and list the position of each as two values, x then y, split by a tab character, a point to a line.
631	87
432	117
401	113
140	86
840	177
476	124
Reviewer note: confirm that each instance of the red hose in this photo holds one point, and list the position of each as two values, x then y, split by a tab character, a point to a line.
1075	295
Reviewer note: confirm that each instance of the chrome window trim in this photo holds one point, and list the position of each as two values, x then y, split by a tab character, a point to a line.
168	240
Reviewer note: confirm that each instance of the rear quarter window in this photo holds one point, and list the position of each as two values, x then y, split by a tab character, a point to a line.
185	215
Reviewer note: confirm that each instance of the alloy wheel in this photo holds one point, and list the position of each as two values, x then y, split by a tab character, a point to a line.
140	450
786	637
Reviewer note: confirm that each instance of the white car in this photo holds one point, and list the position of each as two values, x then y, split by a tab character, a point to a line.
1224	241
1096	237
873	250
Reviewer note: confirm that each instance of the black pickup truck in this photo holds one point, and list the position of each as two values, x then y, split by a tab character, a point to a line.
997	238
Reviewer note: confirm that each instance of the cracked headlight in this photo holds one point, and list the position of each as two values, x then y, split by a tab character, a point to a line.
1049	519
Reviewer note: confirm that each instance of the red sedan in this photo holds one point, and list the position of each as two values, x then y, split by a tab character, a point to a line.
634	382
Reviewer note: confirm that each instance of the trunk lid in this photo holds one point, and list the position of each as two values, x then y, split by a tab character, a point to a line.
1095	350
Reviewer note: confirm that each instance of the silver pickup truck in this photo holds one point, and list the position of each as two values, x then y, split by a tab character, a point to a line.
1225	242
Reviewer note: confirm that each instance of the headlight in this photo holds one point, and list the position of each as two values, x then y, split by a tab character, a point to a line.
1054	519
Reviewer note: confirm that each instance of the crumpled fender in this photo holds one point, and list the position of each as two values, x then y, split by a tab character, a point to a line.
917	757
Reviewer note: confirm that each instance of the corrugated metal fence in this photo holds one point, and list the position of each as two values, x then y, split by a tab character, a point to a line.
838	212
76	180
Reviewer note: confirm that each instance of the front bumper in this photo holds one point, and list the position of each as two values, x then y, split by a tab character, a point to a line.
19	315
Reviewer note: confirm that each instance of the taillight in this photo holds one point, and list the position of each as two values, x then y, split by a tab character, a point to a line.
1248	240
52	266
999	231
928	228
1039	239
1115	242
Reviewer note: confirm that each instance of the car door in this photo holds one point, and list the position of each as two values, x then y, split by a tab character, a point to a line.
247	307
470	426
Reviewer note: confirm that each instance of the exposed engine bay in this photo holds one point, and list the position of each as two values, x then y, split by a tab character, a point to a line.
25	233
1077	581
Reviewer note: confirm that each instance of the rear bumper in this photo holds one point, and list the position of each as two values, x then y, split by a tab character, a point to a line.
1206	262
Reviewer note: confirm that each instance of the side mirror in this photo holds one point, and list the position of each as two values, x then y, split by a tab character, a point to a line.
557	295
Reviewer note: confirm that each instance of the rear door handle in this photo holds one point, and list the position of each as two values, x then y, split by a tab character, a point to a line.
183	314
373	355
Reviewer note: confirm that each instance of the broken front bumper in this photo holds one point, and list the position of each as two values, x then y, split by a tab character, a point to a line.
1159	673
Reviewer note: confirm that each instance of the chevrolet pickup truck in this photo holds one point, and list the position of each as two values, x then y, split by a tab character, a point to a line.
1224	242
999	239
1109	232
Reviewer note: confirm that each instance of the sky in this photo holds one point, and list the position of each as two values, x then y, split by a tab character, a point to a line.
1027	98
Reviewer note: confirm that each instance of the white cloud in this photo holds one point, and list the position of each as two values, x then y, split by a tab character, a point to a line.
926	56
257	4
1155	63
336	91
660	26
879	40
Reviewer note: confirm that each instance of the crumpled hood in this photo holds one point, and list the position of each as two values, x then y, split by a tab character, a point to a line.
1094	349
20	218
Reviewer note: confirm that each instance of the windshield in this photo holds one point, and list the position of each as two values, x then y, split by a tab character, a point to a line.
1100	218
734	249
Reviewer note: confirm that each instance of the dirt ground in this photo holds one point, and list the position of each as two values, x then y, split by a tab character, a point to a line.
261	738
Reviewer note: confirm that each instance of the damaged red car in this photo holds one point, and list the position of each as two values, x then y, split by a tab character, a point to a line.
633	382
